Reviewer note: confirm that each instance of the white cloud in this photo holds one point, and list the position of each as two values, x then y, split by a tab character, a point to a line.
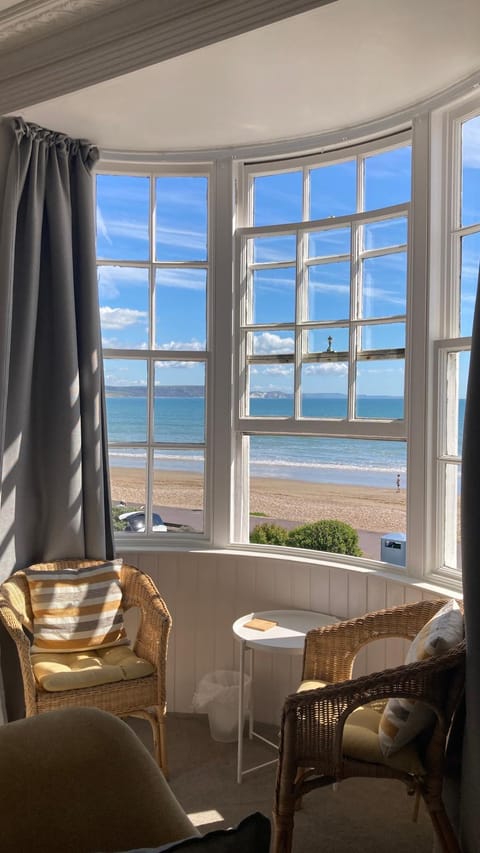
335	367
122	229
195	346
177	364
268	343
130	230
112	279
101	227
185	238
121	318
185	279
278	370
329	287
114	379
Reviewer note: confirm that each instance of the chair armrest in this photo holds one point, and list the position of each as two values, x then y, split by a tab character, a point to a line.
313	720
15	628
155	623
330	652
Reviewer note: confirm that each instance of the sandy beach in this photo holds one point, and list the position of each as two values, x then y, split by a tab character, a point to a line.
370	509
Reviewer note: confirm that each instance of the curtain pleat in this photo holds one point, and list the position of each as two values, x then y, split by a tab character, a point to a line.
470	510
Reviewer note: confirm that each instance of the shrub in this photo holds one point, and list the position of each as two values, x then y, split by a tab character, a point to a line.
269	534
116	511
336	537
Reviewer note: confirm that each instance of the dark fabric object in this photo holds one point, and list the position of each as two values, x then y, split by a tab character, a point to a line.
470	508
79	780
252	835
54	493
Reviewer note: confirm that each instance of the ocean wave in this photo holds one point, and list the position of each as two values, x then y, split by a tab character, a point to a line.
387	468
336	466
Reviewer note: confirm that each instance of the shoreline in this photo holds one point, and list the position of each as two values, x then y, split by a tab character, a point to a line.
369	508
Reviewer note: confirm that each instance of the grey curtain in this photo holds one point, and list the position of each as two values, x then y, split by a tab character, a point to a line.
470	788
54	493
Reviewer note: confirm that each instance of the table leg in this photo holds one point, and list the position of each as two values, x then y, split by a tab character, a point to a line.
241	713
250	712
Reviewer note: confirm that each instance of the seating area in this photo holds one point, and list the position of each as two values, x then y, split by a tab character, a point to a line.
81	668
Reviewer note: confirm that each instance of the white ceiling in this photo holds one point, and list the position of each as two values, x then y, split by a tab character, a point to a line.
340	65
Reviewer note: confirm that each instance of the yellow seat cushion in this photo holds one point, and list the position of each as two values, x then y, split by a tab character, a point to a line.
74	670
361	741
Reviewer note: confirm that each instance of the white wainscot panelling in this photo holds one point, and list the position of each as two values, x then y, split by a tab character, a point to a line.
206	591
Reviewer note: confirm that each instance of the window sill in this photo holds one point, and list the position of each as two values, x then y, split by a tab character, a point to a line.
434	585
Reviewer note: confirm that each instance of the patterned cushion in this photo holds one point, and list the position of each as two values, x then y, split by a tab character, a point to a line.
77	609
56	671
404	719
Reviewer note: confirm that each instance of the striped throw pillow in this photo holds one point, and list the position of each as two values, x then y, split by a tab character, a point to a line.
77	609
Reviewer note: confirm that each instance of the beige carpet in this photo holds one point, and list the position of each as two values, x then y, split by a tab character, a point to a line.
373	815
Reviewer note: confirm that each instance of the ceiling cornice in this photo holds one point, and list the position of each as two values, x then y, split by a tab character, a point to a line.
58	46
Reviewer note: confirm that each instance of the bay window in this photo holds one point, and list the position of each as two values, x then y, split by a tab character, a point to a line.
287	341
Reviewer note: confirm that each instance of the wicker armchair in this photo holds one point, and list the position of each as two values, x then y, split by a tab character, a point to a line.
311	753
139	697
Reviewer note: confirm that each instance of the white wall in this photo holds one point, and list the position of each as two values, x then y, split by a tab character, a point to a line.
206	591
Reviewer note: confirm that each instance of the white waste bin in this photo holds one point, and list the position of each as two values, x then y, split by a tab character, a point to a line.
218	694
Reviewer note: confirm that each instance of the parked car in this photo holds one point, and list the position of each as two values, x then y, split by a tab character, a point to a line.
135	522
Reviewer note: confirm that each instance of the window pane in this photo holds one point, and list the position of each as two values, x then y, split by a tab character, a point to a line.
183	329
178	489
271	343
181	218
452	520
333	190
388	178
381	336
273	296
470	212
386	233
128	481
126	397
324	390
329	291
385	285
267	250
123	297
179	409
270	390
277	198
123	210
380	389
457	367
296	479
331	241
468	281
333	339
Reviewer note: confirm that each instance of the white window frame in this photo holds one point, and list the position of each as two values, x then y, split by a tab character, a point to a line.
351	427
153	355
445	253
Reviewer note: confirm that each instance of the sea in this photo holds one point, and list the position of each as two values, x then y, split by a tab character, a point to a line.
180	420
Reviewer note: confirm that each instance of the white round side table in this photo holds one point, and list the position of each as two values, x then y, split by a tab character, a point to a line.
286	637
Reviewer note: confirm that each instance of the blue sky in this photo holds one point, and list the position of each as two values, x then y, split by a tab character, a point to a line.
123	212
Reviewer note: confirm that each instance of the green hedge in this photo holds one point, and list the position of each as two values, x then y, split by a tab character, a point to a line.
331	535
269	534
